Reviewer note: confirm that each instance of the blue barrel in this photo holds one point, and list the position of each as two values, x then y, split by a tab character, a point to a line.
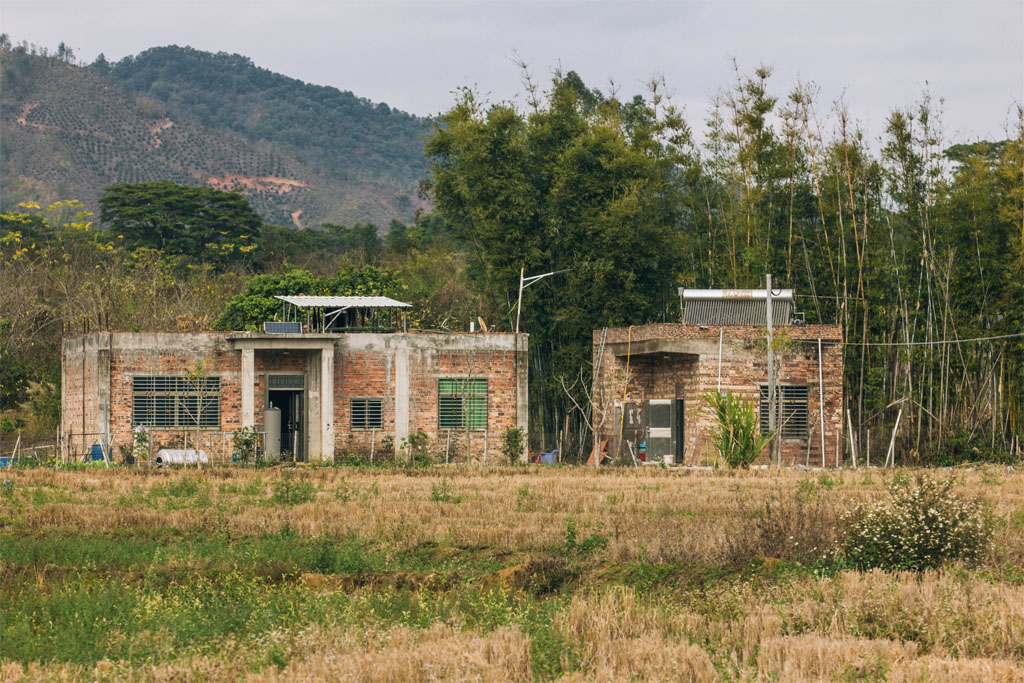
97	452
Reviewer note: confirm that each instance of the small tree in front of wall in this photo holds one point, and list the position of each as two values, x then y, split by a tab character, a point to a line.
415	446
246	443
512	444
196	381
735	433
140	444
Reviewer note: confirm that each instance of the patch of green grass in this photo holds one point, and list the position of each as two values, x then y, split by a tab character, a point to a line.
442	493
806	487
84	619
179	494
523	497
289	491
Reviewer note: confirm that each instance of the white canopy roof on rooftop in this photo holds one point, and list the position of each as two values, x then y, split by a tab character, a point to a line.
735	294
303	301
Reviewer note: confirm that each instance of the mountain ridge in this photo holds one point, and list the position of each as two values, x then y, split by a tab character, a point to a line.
302	154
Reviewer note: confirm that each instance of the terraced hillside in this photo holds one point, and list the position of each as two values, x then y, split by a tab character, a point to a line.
69	132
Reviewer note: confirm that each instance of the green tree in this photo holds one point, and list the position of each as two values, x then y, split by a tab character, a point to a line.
581	182
200	223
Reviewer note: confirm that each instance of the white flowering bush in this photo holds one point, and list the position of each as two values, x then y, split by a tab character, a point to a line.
921	526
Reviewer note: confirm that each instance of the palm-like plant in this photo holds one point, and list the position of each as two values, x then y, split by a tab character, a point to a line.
735	433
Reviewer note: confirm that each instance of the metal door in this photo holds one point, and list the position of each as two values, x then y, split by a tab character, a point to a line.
298	435
660	434
680	423
680	431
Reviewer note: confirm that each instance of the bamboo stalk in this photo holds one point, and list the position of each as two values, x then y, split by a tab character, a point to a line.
890	456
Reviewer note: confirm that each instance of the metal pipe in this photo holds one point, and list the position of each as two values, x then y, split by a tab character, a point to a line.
821	405
772	443
721	330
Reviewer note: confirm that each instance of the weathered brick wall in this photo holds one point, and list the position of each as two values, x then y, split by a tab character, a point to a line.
79	413
743	368
362	374
358	373
291	362
371	374
174	355
498	367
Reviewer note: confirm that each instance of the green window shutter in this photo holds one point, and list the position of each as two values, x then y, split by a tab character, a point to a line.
462	404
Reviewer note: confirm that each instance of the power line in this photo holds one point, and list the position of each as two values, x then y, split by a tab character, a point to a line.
936	343
917	343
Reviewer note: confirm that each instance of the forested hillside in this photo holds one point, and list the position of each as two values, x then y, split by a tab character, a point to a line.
302	154
330	129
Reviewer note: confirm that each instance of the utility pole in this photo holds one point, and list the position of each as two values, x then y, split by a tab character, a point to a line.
772	444
519	300
525	282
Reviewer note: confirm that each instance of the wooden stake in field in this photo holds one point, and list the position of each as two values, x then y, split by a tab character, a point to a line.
14	453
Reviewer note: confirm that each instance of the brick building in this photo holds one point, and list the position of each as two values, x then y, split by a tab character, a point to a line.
648	380
336	390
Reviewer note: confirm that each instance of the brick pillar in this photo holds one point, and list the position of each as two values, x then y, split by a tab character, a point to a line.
522	370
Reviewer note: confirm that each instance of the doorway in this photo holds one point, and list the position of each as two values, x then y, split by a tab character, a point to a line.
289	402
660	437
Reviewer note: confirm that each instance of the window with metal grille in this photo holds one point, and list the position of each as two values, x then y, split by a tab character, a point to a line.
367	413
176	402
462	403
791	410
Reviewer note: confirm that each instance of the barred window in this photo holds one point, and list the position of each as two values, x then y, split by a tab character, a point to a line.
367	413
176	402
462	403
791	409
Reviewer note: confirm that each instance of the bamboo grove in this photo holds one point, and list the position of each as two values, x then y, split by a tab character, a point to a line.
912	241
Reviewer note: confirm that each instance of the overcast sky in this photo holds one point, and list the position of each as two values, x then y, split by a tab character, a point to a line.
879	55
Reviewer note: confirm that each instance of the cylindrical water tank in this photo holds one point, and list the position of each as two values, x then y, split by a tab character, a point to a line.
181	456
272	426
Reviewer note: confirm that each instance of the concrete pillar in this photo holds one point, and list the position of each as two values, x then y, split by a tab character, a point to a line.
248	388
314	396
327	402
523	389
401	397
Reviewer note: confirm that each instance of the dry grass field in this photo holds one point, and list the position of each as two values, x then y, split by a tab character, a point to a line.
489	574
